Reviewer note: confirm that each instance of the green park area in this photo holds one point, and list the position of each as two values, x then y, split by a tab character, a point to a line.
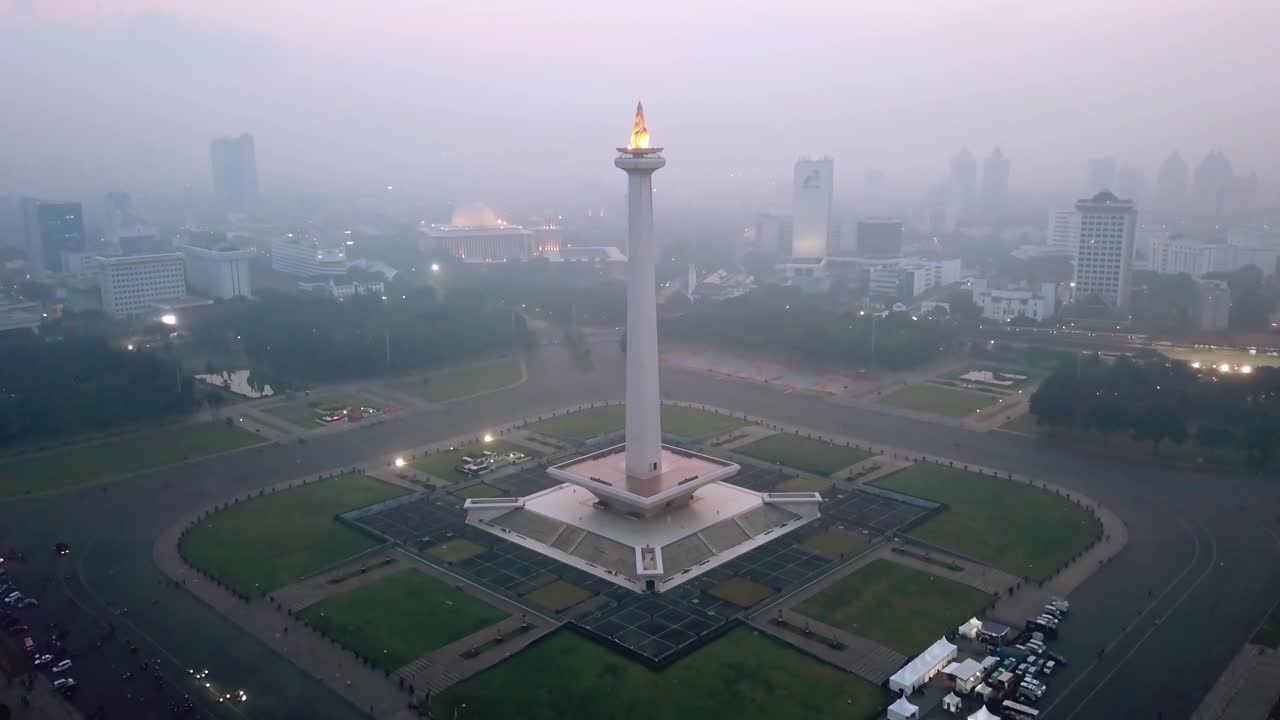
676	420
558	596
802	453
1023	530
939	400
464	380
742	675
91	464
741	591
444	464
1269	633
897	606
304	411
394	620
455	551
1024	424
837	544
265	543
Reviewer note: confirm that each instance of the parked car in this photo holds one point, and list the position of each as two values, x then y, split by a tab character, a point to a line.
26	602
62	549
43	659
62	666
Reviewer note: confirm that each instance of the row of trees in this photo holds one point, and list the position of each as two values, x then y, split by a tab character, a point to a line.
786	322
1160	400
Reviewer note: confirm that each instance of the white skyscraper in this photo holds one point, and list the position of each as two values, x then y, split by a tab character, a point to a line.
1104	254
1064	230
811	208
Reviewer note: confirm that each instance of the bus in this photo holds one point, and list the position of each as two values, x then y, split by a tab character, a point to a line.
1018	711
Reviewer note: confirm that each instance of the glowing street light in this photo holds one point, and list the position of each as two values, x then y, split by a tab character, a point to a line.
169	319
488	437
400	462
1246	369
435	267
1224	368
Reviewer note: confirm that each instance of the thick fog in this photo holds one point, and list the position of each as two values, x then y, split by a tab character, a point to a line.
516	98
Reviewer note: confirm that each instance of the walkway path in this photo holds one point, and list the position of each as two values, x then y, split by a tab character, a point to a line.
1247	690
861	656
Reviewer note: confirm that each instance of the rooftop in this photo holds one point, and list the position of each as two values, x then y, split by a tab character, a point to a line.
604	474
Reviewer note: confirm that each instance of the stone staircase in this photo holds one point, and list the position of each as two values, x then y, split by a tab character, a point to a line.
424	675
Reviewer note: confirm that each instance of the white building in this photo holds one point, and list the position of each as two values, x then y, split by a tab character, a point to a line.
811	208
305	257
1174	254
911	277
1104	254
345	289
479	244
1005	305
19	315
132	284
1214	307
1064	231
219	272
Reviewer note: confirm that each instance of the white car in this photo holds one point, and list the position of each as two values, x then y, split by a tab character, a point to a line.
62	666
42	659
64	683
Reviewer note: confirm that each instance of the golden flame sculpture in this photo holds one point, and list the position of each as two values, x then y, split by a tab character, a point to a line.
640	133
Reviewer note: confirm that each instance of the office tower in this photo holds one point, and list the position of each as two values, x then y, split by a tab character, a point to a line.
1104	255
1130	183
51	229
964	181
1171	185
132	284
1064	231
811	208
995	183
1102	174
216	267
879	238
235	172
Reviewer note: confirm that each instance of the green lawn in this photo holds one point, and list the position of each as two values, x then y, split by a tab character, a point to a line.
305	412
263	544
938	400
800	483
897	606
676	420
802	453
1023	530
443	464
743	675
401	617
463	381
741	592
455	551
1024	424
837	544
558	595
89	464
1269	633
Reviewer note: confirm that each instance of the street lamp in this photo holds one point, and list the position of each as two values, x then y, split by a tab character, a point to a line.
435	267
400	462
488	437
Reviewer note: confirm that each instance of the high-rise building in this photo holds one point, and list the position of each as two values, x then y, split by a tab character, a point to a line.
1171	185
1102	174
132	284
51	229
771	234
811	208
307	257
1130	183
1104	253
117	212
1212	182
216	267
879	238
1175	254
995	183
1064	231
964	181
235	172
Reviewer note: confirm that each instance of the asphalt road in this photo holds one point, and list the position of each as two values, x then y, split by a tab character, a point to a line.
1201	570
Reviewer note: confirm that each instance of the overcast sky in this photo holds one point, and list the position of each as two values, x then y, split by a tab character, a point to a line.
485	98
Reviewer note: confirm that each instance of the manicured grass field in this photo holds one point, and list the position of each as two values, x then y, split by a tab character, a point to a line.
741	592
1024	424
443	464
464	381
480	490
265	543
743	675
1269	633
897	606
676	420
802	453
455	551
1027	531
305	412
837	543
395	620
90	464
800	483
938	400
558	596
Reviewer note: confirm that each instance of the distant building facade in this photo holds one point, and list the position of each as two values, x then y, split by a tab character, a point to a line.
879	238
132	284
912	277
811	208
478	244
51	228
1064	231
1174	254
306	257
217	270
1214	306
1104	255
1102	174
995	184
235	172
1003	305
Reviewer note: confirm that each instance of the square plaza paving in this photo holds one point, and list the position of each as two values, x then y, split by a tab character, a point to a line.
656	628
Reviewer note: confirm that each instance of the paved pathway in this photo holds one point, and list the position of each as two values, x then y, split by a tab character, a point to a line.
861	657
1247	690
447	665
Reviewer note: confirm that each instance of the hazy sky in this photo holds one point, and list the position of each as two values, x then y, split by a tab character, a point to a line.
485	98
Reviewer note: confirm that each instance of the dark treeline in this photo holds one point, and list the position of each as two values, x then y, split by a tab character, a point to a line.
1159	400
567	293
786	322
81	384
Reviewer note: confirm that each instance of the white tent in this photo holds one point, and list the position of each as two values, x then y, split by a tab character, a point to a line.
971	628
903	710
983	714
984	690
968	674
922	667
951	703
